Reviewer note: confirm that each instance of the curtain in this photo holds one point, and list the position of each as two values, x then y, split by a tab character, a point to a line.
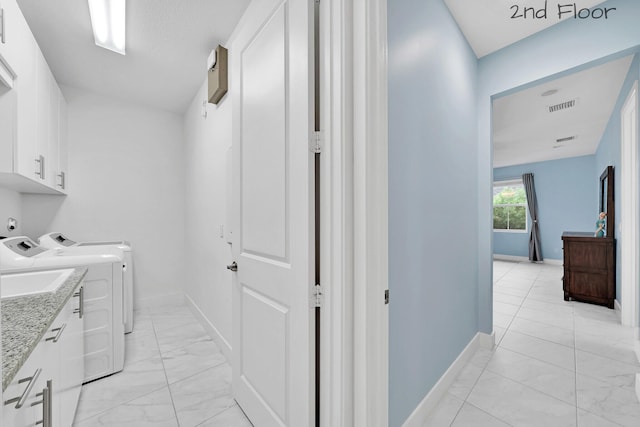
535	251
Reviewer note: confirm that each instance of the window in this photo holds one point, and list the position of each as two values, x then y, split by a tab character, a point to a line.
510	207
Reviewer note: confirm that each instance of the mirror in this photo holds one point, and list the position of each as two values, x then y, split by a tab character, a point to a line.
607	201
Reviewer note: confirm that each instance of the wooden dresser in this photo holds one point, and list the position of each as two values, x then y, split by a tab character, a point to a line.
589	268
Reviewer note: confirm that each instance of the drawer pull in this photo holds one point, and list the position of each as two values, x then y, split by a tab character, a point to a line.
23	398
80	310
57	337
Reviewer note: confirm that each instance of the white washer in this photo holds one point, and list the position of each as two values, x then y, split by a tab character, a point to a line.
58	240
104	348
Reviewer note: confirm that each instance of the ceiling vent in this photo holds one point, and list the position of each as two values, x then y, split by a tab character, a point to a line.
566	139
562	106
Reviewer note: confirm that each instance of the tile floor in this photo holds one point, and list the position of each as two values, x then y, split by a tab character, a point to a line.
555	363
174	376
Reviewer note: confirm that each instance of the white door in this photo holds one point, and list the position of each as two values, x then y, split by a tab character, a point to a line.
271	87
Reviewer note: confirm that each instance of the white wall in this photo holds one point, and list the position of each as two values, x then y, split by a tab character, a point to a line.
10	207
125	181
208	284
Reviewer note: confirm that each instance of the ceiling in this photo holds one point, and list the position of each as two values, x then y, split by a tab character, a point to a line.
488	26
524	131
168	42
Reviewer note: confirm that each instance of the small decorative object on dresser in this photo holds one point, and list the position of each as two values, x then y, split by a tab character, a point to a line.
590	260
601	225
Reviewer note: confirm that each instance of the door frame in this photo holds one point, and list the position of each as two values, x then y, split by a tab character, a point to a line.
629	217
354	212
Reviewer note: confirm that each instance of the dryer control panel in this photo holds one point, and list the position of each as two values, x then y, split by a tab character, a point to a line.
25	247
63	240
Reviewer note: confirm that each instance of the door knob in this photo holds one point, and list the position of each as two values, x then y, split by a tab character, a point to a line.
233	266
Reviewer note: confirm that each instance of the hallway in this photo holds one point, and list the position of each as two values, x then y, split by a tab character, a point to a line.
555	363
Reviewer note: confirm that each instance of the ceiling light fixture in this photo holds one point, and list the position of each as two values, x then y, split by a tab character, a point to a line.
549	92
108	22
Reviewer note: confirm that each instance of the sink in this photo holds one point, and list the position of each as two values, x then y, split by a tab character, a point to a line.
32	283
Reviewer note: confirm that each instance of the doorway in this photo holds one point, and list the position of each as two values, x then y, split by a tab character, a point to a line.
552	140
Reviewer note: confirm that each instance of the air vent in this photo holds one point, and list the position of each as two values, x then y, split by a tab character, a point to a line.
562	106
566	139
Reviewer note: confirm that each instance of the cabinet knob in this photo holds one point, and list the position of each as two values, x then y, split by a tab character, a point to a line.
233	266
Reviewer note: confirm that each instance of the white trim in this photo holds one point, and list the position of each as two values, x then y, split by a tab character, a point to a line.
638	387
511	258
158	301
618	310
424	409
486	341
213	332
370	218
514	258
336	216
629	214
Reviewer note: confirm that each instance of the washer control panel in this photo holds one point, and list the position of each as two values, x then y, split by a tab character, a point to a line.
24	246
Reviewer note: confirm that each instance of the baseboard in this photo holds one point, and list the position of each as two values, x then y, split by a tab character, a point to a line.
215	334
423	410
158	301
487	341
514	258
511	258
618	309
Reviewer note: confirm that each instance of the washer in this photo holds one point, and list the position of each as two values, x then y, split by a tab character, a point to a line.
104	348
58	240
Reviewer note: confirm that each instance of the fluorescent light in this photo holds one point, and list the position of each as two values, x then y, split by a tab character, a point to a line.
108	22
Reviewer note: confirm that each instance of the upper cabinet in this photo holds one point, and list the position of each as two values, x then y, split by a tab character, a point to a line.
33	149
10	44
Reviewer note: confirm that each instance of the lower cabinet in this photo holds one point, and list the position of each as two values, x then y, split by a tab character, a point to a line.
45	391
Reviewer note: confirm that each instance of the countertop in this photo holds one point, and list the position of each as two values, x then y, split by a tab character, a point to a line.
26	319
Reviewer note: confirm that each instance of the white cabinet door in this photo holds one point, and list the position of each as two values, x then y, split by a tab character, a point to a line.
9	42
72	361
26	144
28	384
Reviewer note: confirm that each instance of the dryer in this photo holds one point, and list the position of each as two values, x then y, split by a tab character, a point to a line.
58	240
104	348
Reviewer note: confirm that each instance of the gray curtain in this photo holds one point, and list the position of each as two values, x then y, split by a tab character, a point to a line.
535	251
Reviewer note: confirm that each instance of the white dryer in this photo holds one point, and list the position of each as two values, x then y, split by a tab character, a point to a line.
104	348
58	240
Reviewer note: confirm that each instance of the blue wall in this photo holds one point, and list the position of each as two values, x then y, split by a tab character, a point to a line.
567	194
563	48
432	199
609	153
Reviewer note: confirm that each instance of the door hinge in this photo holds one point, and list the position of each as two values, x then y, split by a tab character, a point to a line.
316	142
317	293
386	296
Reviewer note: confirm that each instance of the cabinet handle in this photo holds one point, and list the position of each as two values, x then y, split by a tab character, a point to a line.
40	162
62	183
25	394
47	405
80	309
57	337
4	29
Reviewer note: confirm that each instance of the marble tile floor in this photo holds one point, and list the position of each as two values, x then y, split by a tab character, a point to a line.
555	363
174	376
